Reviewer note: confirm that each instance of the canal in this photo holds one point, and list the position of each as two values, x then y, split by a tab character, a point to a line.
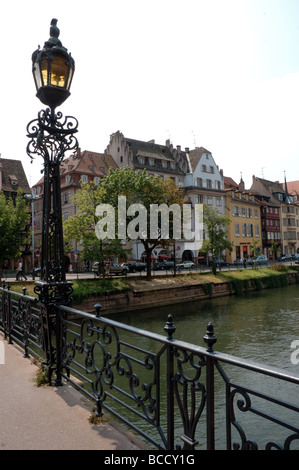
259	326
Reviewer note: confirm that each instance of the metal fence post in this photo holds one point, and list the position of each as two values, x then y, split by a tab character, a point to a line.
210	339
169	328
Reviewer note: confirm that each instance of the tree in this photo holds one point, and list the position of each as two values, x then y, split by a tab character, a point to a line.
134	192
14	216
81	227
106	214
214	226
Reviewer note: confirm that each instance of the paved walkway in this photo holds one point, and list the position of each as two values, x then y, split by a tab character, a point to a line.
49	418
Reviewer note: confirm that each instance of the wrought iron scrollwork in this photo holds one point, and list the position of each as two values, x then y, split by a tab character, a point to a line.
190	392
51	135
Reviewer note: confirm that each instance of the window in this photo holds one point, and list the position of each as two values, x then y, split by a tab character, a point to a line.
209	183
249	230
203	167
199	182
256	213
237	230
141	160
84	178
151	161
164	164
236	211
97	180
256	231
172	165
67	179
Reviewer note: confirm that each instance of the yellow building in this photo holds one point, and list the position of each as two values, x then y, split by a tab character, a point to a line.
244	231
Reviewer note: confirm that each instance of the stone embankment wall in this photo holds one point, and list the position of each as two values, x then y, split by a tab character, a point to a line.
149	294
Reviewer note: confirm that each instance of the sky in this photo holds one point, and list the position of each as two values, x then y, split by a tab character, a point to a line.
223	75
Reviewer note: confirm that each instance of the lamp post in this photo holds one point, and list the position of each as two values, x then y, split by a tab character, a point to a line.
51	136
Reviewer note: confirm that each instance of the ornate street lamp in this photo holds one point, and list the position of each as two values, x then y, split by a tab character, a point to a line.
51	136
53	69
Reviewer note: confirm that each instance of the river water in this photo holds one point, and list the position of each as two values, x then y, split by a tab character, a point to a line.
258	326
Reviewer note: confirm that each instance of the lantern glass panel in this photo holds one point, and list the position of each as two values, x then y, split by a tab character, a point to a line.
69	81
59	70
37	76
44	70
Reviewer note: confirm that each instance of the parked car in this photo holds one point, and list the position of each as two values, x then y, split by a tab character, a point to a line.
258	260
186	265
135	266
164	265
114	268
285	258
221	262
295	257
239	262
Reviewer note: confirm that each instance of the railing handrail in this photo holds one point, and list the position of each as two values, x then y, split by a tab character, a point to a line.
68	336
215	355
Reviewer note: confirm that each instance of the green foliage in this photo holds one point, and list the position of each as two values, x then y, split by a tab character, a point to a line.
14	216
138	188
42	375
207	287
279	267
81	227
216	240
84	289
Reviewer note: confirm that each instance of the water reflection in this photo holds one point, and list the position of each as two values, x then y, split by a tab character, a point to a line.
259	326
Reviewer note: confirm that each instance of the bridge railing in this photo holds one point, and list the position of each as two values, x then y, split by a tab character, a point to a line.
174	394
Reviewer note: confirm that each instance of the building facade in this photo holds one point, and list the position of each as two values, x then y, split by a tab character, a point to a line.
12	178
277	194
82	167
244	231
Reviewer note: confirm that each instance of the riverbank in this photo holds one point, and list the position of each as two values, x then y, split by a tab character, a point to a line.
137	293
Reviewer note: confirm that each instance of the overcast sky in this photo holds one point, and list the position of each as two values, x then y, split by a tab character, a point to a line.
219	74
